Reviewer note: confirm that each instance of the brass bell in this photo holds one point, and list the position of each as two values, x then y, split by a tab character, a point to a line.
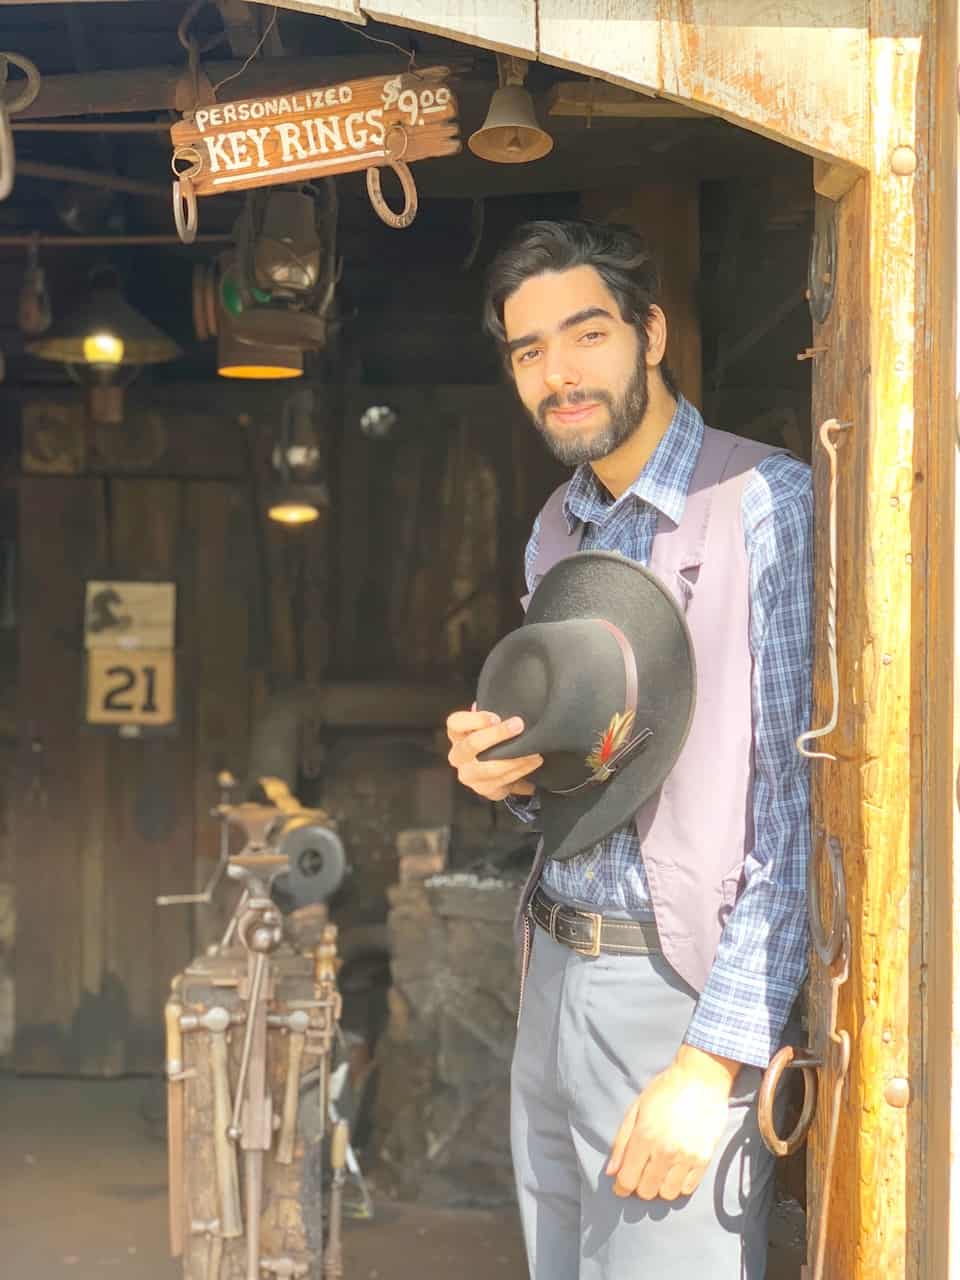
510	134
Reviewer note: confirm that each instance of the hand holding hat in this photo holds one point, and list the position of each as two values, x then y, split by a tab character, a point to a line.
602	675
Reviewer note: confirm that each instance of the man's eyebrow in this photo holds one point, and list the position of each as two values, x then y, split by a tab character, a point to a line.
588	313
571	322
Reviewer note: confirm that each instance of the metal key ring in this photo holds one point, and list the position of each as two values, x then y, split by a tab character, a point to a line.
396	153
827	942
787	1059
193	159
185	210
383	210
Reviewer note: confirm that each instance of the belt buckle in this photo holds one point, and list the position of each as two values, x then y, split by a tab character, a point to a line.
596	925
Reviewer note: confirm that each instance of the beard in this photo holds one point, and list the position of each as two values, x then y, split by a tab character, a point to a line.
624	416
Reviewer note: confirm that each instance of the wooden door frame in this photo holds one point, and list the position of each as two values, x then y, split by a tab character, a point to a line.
941	830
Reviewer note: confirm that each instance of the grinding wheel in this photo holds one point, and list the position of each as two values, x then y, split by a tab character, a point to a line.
317	861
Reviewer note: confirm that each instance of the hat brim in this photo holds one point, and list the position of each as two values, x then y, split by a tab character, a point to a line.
598	584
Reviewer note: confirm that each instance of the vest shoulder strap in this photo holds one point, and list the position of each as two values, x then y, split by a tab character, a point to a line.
556	540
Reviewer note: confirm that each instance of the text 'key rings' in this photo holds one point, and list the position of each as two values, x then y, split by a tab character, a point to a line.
409	186
829	444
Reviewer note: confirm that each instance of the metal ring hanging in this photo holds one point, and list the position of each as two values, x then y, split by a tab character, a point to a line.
9	107
185	214
788	1059
185	209
829	445
383	210
827	942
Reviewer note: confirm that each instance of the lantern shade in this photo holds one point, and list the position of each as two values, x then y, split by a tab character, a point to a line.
294	504
105	330
510	134
237	359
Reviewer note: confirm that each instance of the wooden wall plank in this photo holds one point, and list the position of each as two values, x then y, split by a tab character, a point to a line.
148	799
223	604
57	806
669	219
940	1232
508	25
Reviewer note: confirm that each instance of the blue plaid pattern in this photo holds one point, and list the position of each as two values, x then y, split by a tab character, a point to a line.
762	957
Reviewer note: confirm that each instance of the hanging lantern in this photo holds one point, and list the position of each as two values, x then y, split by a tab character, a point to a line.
299	496
104	344
511	133
236	359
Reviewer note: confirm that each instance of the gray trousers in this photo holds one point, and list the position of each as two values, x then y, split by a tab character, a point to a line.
593	1033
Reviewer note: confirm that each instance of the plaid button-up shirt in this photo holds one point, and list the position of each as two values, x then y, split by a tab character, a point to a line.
762	956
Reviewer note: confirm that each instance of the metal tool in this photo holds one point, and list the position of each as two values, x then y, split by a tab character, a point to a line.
333	1254
216	1021
175	1166
284	1267
296	1024
214	1236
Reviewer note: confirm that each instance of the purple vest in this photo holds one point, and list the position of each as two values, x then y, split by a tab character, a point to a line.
697	831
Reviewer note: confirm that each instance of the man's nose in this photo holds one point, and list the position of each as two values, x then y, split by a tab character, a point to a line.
560	375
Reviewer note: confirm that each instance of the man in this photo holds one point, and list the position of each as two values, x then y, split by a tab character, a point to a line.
634	1079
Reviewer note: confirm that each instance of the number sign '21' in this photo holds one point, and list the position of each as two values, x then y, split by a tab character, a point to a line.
130	687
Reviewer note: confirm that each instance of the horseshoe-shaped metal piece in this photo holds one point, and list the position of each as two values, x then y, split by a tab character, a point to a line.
383	210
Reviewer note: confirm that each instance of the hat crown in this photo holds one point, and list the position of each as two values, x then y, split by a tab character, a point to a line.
566	682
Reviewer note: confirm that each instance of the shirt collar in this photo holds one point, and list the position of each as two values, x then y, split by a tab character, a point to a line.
663	482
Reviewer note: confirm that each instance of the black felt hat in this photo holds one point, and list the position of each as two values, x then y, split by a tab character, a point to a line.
602	673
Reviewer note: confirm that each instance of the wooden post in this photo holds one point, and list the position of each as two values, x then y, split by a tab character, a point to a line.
875	372
941	745
669	218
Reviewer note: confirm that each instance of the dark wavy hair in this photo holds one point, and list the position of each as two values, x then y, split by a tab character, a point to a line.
619	256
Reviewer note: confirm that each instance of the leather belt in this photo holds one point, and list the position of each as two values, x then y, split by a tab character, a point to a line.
589	933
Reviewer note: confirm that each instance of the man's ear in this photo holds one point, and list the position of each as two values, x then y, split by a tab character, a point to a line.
656	330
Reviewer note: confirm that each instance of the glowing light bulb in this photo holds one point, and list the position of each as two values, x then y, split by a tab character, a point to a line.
293	513
102	348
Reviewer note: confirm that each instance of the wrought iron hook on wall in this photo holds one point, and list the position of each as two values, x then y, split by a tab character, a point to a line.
829	444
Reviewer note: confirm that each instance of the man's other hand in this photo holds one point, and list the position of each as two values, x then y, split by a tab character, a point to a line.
668	1137
471	732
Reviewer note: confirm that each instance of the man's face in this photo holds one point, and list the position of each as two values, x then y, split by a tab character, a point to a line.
578	366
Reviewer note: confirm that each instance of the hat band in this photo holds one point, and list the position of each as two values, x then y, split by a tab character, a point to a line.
612	751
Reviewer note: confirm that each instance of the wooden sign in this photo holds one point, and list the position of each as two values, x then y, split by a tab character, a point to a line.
129	615
130	687
312	133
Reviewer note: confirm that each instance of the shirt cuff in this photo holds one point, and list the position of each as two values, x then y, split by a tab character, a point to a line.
524	809
741	1016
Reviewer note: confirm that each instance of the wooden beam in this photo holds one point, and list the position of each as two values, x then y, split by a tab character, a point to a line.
833	181
941	834
597	99
344	10
873	370
169	88
506	25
